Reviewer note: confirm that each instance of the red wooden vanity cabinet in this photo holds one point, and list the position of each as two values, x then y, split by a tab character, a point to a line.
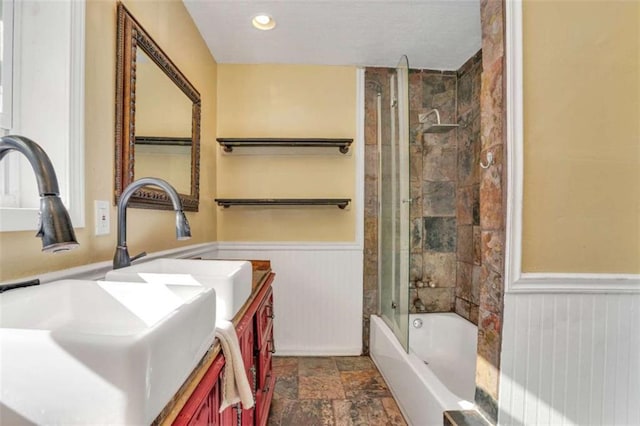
255	334
264	349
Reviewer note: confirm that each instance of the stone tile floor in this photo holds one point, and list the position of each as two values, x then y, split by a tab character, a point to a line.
331	391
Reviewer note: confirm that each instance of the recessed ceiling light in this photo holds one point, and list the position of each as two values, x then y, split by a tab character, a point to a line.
263	22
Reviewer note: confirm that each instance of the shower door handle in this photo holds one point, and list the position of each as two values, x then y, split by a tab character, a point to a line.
394	305
408	200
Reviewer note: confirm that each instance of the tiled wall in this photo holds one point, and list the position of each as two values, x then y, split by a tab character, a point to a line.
445	256
445	233
433	260
492	206
468	190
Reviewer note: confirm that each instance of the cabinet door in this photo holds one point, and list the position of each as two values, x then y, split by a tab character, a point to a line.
228	417
265	390
204	403
246	339
264	319
265	395
266	379
207	414
264	331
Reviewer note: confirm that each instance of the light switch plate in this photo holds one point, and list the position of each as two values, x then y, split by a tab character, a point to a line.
103	222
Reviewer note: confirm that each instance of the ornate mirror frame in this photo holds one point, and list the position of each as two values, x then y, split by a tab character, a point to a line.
130	37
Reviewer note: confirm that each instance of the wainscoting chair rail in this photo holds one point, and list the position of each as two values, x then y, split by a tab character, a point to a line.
229	143
228	202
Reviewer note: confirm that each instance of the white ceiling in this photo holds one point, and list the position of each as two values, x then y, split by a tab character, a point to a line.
434	34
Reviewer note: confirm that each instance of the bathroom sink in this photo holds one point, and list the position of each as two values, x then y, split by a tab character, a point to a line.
79	352
230	278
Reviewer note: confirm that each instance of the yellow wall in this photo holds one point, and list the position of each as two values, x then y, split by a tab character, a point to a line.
286	101
170	25
581	136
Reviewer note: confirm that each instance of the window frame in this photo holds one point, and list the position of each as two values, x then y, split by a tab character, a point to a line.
71	183
7	65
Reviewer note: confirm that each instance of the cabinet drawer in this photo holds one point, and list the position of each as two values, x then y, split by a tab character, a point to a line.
264	321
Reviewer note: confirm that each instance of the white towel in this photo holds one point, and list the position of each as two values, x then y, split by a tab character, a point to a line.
235	384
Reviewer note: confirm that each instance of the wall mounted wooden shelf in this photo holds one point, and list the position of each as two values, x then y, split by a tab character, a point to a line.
228	202
229	143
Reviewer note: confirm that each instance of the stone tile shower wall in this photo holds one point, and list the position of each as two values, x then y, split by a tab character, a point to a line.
445	256
434	159
444	179
469	259
492	206
450	258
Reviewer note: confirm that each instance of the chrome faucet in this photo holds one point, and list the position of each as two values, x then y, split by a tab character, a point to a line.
183	232
55	227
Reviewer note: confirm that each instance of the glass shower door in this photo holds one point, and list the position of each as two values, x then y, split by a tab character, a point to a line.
394	208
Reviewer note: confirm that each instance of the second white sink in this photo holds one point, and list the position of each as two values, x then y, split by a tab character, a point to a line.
231	279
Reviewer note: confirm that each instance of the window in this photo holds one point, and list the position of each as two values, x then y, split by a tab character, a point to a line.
6	62
47	94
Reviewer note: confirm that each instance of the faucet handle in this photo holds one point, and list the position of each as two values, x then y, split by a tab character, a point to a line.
138	256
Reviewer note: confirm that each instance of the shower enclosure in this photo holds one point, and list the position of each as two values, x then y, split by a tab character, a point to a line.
394	204
427	251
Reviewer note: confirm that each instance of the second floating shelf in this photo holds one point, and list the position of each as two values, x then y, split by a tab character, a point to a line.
230	143
228	202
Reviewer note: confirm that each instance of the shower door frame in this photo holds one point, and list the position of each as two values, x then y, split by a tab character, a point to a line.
397	318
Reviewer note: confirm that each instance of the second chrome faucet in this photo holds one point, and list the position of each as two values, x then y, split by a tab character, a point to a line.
183	232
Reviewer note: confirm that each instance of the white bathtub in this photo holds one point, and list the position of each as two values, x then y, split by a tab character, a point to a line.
437	374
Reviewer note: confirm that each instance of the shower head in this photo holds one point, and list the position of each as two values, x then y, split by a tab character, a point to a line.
440	128
436	127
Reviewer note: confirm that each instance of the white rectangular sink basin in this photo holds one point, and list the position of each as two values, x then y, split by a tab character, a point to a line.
86	352
230	278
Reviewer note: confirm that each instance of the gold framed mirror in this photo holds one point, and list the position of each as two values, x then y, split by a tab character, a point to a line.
157	120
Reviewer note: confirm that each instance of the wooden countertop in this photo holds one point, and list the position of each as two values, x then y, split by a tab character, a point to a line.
261	271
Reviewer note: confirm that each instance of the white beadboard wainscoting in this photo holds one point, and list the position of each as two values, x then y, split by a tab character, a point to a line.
317	294
570	359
